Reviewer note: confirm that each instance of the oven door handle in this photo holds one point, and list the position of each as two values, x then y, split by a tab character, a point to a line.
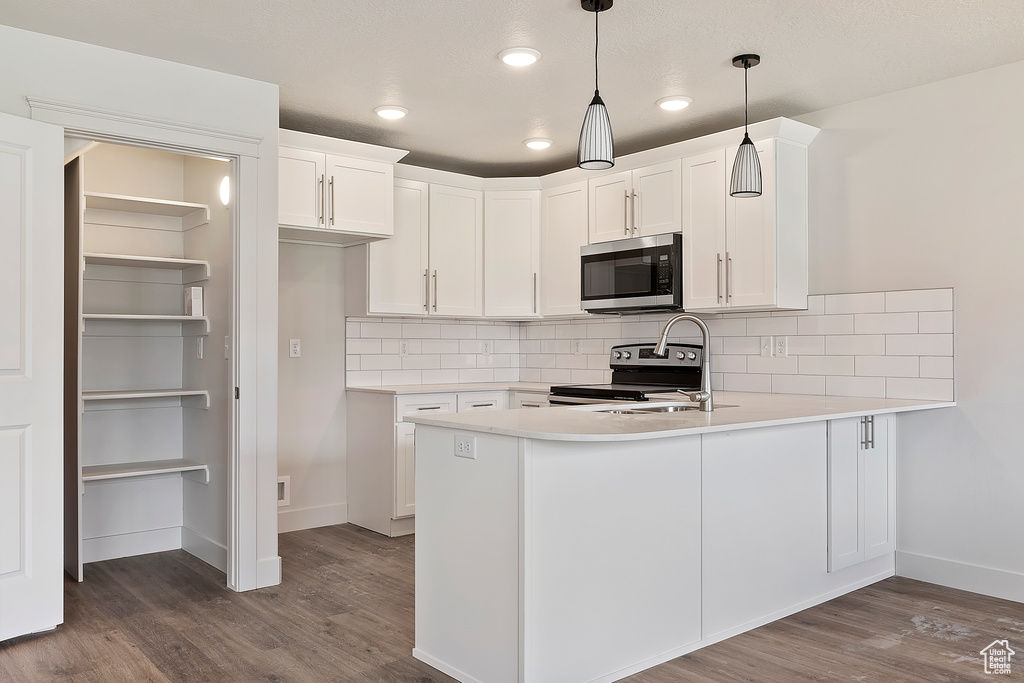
556	400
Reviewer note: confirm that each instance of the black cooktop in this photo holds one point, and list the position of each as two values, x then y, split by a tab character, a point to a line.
637	372
613	392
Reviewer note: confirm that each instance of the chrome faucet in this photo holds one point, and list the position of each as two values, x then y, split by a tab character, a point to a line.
703	397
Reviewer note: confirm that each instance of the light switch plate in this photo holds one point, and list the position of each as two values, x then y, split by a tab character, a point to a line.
767	346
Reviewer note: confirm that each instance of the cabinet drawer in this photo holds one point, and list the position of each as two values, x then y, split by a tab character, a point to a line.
526	399
483	400
423	404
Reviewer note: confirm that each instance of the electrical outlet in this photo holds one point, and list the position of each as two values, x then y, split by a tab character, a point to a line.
284	491
199	348
767	346
403	348
577	347
465	446
295	348
485	347
781	347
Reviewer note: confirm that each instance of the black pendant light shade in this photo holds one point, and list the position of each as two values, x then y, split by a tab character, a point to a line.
597	149
746	169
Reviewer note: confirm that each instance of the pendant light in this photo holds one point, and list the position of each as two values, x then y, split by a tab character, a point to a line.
746	169
596	150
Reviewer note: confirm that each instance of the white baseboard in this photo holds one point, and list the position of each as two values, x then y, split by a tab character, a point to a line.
998	583
310	518
128	545
207	550
268	572
442	666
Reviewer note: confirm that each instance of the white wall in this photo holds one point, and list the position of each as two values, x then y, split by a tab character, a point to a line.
311	406
236	112
918	189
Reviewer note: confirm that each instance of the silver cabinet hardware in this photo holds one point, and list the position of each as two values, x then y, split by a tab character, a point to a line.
718	277
435	291
330	193
426	290
728	274
489	404
535	306
429	408
530	405
320	200
625	215
867	438
636	219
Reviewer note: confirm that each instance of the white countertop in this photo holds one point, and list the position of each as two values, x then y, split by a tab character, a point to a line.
570	423
401	389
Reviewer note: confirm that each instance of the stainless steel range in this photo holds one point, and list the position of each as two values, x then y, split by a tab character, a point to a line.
636	373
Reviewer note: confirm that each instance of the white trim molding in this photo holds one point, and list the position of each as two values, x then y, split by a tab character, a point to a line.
998	583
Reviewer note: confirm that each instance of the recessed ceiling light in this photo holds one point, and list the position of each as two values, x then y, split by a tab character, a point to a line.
519	56
537	143
391	112
674	103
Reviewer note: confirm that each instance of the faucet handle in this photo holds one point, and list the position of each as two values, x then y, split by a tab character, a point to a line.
695	396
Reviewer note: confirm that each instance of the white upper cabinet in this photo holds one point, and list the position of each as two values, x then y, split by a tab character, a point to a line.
511	252
334	191
397	268
644	201
564	231
745	254
456	251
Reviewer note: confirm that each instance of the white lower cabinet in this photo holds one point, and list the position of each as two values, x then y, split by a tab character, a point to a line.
382	455
529	399
861	490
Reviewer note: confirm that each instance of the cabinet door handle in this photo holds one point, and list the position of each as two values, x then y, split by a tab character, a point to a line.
426	289
636	217
870	424
535	293
320	200
330	193
435	291
625	214
728	275
489	404
718	277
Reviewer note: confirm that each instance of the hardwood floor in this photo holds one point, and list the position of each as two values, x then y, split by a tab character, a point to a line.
344	612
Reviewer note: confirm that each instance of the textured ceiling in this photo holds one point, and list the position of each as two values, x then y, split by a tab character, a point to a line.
335	60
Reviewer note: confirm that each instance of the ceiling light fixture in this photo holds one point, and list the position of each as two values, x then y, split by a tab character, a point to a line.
674	103
519	56
746	169
597	149
390	112
537	143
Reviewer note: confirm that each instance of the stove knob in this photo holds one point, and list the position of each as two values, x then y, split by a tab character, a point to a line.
625	354
680	355
691	355
616	355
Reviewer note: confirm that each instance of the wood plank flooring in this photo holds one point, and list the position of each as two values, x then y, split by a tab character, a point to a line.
344	612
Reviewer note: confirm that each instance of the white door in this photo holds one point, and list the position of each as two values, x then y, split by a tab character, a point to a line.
704	231
657	197
456	251
31	382
564	231
511	252
300	188
397	272
610	202
360	196
750	235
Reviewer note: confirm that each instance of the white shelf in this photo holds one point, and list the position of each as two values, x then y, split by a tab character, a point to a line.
201	268
89	396
326	236
124	470
187	215
132	317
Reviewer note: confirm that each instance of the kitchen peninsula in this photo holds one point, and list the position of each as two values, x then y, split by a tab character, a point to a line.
577	544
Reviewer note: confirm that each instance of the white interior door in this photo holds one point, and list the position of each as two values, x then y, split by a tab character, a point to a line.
31	363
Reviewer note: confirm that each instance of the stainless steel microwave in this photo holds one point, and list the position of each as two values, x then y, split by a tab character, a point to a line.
641	273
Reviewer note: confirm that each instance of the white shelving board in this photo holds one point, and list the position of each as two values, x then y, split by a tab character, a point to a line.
124	470
130	317
89	396
192	270
185	215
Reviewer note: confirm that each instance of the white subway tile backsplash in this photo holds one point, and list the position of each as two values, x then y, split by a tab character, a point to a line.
455	331
815	306
935	322
855	345
870	302
741	345
352	362
919	388
362	378
868	387
494	332
440	376
392	362
726	363
885	323
381	330
919	300
919	345
759	383
421	362
471	346
507	345
798	384
506	375
390	346
938	367
724	327
555	376
439	346
529	374
477	375
642	330
401	377
557	346
571	362
421	330
888	366
589	376
770	366
802	345
826	365
355	345
458	360
825	324
529	345
605	330
768	326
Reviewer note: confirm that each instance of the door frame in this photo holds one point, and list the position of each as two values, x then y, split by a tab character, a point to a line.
252	559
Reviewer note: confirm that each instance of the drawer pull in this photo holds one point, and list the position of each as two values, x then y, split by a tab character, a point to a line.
429	408
482	405
531	405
